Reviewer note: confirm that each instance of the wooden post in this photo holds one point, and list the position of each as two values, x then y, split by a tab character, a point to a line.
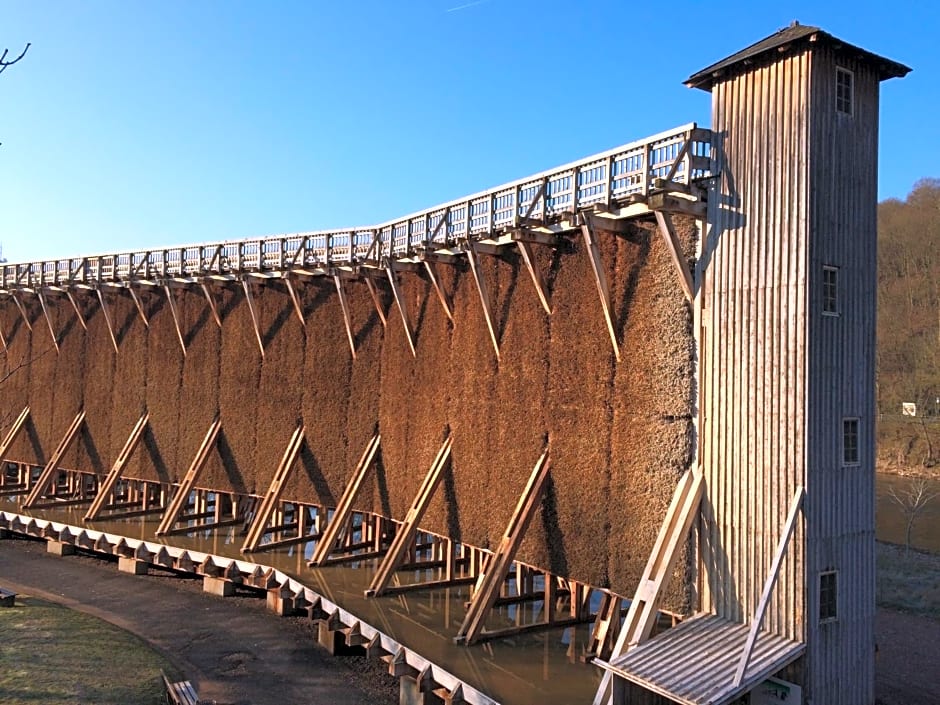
373	292
107	318
46	476
600	279
182	493
176	317
45	312
484	293
212	305
254	313
19	305
668	231
295	299
78	313
105	488
13	432
432	275
138	304
528	256
402	306
344	304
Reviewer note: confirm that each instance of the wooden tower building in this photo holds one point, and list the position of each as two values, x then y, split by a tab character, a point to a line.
786	306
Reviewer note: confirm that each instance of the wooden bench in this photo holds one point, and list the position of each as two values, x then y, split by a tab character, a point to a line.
180	693
7	598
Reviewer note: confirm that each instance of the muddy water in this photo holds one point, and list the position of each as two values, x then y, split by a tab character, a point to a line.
892	522
540	668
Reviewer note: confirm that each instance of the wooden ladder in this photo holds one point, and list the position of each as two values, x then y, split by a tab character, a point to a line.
257	531
45	477
105	488
186	486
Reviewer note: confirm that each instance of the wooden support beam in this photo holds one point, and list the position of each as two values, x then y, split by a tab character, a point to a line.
78	313
138	304
19	305
213	307
494	575
179	500
535	238
106	487
13	432
39	489
769	585
271	499
249	297
344	304
334	529
3	341
295	299
402	306
374	293
659	568
45	312
405	535
432	275
606	627
528	256
600	279
668	231
482	290
107	318
176	317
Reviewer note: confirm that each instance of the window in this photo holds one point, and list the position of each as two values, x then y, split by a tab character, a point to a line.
828	596
830	290
850	450
844	91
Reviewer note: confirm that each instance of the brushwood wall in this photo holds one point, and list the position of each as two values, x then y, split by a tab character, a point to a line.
620	433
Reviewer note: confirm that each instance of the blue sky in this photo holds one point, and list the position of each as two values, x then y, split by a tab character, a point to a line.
132	125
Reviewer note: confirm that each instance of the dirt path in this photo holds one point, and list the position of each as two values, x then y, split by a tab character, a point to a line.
907	671
232	649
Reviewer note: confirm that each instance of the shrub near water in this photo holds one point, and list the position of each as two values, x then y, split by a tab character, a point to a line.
55	656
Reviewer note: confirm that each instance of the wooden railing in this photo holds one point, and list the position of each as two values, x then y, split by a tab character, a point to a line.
609	178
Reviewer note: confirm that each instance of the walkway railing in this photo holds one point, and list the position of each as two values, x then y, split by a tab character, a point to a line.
611	178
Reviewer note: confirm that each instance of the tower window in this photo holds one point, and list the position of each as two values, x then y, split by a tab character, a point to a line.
830	290
828	596
850	450
844	91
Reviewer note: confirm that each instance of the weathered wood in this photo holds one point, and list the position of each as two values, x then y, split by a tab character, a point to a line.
498	566
213	307
528	256
344	304
471	250
373	292
105	488
45	313
281	475
250	299
138	303
668	231
19	305
600	279
406	532
295	300
176	317
78	312
45	477
402	307
435	282
179	500
335	527
13	432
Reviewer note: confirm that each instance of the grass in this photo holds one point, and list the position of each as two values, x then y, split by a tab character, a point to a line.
52	655
908	581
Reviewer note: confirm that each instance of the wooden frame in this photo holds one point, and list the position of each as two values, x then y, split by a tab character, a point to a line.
107	486
13	432
45	477
179	500
668	231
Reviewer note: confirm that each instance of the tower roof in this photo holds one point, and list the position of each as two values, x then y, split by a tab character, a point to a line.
786	39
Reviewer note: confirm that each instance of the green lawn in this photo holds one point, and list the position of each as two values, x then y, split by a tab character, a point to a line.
51	655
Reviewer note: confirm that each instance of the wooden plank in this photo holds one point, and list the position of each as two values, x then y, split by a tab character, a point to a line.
3	341
769	584
45	312
600	279
471	250
139	304
432	275
294	298
13	432
182	493
498	566
668	231
78	313
39	489
344	304
528	256
273	496
106	487
249	297
334	529
19	305
176	317
402	306
406	532
107	318
212	305
374	293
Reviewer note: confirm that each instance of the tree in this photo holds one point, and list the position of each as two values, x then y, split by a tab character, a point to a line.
912	502
4	64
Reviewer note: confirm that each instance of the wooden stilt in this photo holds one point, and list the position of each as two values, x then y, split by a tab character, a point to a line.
281	475
334	529
138	304
482	290
249	297
107	486
494	575
45	312
344	304
78	313
3	341
373	292
528	256
402	307
39	489
107	318
13	432
668	231
19	305
432	275
182	493
176	317
212	305
600	278
295	299
406	532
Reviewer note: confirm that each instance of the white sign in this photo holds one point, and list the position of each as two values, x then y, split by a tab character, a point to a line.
909	409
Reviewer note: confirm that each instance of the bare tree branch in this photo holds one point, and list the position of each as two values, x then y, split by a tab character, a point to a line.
3	57
912	502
